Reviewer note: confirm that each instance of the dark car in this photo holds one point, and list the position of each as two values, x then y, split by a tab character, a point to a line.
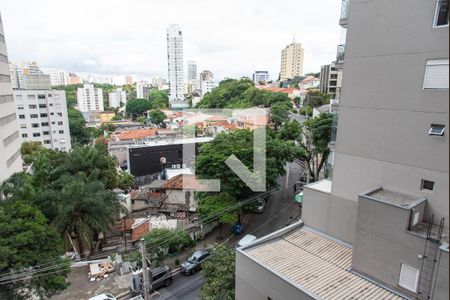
194	262
162	276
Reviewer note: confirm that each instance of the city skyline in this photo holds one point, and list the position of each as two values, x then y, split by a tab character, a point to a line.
129	40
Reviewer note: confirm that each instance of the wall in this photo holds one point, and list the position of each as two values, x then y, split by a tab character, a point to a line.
441	287
254	282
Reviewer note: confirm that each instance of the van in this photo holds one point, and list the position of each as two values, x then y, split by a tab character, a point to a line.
103	297
246	240
162	276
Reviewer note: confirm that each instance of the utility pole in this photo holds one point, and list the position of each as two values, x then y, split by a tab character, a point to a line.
147	295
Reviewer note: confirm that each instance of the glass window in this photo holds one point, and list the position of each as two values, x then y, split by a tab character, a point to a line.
427	185
437	129
441	18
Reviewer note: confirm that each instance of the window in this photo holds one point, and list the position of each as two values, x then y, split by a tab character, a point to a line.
427	185
21	116
436	74
42	105
43	115
24	135
60	123
45	132
23	126
437	129
41	96
36	134
409	278
52	114
44	124
47	142
20	107
61	132
35	125
32	106
33	116
441	16
31	96
60	114
51	104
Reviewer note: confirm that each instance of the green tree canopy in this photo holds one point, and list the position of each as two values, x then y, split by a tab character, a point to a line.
219	273
157	116
27	241
78	132
137	107
159	99
125	181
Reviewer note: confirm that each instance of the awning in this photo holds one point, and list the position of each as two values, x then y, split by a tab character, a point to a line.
299	198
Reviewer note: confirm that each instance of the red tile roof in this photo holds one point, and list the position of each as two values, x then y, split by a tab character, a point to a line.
189	182
136	134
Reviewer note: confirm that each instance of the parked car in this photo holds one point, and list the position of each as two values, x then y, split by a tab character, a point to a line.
260	205
162	276
246	240
103	297
194	262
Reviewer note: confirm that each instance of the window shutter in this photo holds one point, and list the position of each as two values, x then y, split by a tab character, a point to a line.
436	74
409	278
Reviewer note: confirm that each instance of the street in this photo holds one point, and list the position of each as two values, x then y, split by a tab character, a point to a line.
183	288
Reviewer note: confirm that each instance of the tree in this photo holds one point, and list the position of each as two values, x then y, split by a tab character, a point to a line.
116	118
212	205
157	116
137	107
142	120
315	98
71	93
78	132
28	149
315	136
159	99
280	113
26	242
219	273
159	242
290	131
125	181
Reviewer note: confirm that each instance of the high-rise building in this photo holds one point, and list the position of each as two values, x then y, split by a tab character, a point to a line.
206	75
10	161
42	117
28	76
261	77
117	98
142	90
129	79
175	63
207	86
192	70
74	79
291	61
58	77
89	98
330	79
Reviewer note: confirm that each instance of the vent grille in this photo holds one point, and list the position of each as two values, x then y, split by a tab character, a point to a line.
409	278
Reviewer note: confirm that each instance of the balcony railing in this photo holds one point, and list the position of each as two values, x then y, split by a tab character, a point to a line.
344	9
340	53
334	128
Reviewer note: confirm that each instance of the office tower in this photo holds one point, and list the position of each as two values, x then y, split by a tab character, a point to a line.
10	161
291	61
89	98
175	62
260	77
117	98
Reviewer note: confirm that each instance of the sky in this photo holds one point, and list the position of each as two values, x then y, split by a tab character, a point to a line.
231	38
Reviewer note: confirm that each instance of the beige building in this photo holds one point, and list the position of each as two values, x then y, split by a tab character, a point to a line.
378	229
10	161
291	61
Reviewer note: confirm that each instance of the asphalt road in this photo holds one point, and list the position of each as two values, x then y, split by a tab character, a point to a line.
183	288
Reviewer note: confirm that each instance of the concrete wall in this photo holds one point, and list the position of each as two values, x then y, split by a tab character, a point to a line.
333	215
254	282
385	114
441	287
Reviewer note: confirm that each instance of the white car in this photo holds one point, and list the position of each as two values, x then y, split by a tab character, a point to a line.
103	297
246	240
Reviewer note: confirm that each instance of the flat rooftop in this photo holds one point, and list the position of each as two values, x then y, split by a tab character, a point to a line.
173	142
323	185
317	264
393	198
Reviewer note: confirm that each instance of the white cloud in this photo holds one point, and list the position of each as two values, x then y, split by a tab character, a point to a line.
231	38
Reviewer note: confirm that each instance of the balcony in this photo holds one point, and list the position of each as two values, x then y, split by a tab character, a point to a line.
340	54
344	13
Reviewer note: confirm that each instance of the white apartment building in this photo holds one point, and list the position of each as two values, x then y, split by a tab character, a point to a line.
207	86
42	117
175	62
117	98
330	79
261	76
58	77
89	98
10	161
142	90
291	61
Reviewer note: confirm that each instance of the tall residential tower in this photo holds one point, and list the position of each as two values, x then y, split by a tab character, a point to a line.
175	65
10	161
291	61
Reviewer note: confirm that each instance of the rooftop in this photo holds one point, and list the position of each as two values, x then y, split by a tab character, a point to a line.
136	134
323	185
393	198
315	263
184	182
